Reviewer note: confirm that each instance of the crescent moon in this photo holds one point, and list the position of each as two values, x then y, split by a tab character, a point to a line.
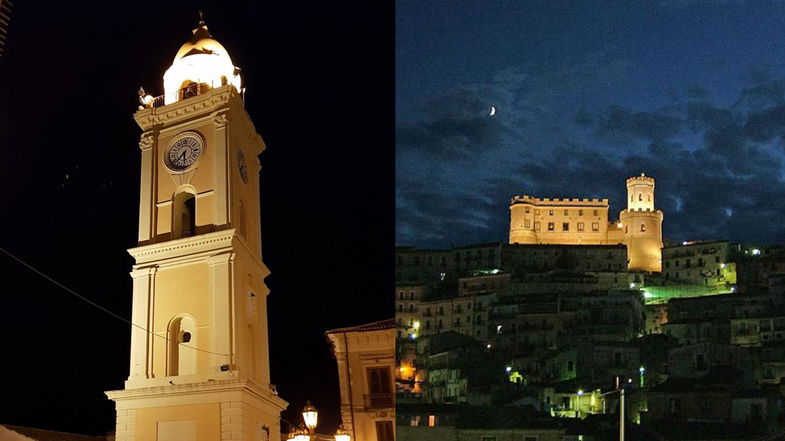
493	111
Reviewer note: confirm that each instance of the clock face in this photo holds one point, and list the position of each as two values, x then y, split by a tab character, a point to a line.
241	166
184	152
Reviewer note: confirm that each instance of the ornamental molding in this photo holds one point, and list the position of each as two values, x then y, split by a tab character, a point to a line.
147	140
220	118
186	109
268	396
188	246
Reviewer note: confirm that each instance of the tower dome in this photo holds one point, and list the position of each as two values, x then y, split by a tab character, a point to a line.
201	64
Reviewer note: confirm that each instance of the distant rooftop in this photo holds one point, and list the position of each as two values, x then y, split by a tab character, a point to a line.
375	326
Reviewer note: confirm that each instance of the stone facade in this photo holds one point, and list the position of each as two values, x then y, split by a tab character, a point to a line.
585	222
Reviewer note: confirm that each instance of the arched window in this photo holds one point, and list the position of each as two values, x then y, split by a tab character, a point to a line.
643	227
184	214
640	196
180	353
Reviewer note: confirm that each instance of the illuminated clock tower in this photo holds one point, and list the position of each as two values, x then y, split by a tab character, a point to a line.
199	350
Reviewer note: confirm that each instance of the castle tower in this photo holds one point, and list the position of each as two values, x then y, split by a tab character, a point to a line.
199	351
522	220
642	226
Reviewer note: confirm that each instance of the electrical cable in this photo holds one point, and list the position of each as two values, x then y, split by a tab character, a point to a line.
85	299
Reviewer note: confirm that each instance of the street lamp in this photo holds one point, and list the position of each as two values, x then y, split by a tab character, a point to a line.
310	416
342	434
578	403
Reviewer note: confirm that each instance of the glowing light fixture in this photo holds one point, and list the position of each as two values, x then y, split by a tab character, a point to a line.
756	252
580	392
508	369
310	415
342	434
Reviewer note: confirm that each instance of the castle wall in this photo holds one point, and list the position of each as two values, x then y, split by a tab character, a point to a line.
586	222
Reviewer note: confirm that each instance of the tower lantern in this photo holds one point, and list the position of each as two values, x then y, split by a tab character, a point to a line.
201	64
199	366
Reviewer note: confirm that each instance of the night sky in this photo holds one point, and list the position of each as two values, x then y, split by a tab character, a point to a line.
320	90
587	94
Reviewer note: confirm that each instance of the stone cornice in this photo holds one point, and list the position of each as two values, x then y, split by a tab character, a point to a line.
186	109
198	388
195	247
178	248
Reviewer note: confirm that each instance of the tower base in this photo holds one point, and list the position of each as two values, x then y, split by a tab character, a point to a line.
236	409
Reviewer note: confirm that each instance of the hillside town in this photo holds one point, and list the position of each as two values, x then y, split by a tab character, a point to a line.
576	333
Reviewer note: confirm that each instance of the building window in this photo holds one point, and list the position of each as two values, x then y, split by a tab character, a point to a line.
431	420
414	421
528	209
550	212
580	226
565	226
527	223
570	366
380	388
640	196
566	212
536	226
550	226
580	212
595	212
595	226
536	211
384	431
184	215
643	228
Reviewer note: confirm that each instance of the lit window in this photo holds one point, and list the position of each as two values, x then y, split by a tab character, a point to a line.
431	420
550	212
595	226
550	226
580	226
415	421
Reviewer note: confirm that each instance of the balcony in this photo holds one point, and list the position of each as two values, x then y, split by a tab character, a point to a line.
378	401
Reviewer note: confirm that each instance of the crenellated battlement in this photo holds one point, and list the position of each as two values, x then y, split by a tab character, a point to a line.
642	179
578	202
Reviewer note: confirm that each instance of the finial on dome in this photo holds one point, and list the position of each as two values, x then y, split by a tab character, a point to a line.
201	18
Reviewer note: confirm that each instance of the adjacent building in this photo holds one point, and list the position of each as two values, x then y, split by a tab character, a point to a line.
366	371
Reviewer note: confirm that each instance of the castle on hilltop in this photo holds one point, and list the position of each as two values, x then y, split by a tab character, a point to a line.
585	222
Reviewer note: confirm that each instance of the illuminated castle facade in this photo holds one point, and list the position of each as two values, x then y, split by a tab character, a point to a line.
585	222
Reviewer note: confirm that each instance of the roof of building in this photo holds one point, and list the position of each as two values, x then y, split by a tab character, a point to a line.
17	433
375	326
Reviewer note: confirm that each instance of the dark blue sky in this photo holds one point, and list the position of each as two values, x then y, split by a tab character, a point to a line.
588	93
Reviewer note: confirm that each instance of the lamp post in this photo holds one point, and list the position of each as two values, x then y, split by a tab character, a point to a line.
308	433
310	416
578	403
